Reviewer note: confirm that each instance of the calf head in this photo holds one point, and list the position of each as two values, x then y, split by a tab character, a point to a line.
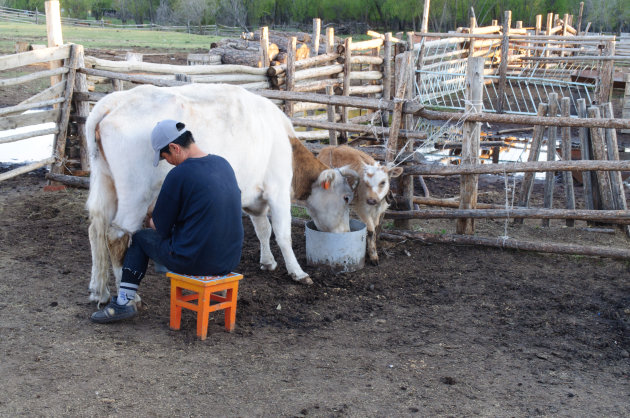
331	195
375	182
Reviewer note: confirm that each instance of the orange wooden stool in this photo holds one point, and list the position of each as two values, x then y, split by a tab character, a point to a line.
204	289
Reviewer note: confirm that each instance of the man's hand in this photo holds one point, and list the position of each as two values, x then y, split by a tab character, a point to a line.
151	224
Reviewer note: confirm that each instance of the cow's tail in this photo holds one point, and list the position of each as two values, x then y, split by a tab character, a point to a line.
101	205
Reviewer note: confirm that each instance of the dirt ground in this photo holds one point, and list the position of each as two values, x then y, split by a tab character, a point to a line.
435	330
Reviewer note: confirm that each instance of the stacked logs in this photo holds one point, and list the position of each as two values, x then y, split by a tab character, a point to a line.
278	44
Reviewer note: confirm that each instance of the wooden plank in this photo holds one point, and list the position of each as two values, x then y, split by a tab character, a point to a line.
25	168
502	242
129	66
48	94
540	166
599	153
5	111
552	133
8	62
59	144
35	118
622	216
566	155
606	75
534	153
470	142
33	76
26	135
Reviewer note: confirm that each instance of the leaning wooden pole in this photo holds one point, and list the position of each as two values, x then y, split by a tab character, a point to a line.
551	155
527	183
556	248
505	50
403	64
567	176
424	28
470	142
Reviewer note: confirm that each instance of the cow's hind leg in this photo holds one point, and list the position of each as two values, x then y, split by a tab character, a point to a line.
263	232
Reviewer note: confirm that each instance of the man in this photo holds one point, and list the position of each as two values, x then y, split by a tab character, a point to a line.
196	225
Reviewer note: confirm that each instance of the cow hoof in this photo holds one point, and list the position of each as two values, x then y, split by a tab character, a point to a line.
374	261
269	267
99	299
305	280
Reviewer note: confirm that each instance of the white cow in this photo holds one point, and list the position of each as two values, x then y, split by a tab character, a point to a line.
370	203
247	130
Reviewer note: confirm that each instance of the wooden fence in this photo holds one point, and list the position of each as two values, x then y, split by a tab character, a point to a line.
371	77
55	102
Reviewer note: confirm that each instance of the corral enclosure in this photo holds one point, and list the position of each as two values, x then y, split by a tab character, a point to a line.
436	329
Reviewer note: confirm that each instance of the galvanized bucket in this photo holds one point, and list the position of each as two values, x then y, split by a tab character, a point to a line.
339	253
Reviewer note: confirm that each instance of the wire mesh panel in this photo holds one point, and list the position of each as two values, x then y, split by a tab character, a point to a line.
535	69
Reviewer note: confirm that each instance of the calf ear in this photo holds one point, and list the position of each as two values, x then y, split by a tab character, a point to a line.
395	172
326	178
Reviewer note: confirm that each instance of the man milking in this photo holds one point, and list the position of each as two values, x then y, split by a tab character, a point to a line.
196	225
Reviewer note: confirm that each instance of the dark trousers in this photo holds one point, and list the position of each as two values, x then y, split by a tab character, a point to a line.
145	244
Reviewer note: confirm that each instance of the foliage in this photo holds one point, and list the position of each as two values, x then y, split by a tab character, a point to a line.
392	15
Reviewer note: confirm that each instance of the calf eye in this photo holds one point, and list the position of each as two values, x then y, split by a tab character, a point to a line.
383	183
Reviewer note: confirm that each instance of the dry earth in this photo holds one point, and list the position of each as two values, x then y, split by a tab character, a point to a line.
435	330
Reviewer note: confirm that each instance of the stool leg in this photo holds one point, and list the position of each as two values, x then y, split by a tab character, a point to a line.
176	310
230	311
203	313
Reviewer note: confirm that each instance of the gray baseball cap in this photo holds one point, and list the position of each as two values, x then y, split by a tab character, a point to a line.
163	134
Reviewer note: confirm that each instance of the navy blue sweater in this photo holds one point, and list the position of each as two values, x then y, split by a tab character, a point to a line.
198	215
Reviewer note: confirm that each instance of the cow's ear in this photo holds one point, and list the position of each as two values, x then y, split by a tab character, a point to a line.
351	176
395	172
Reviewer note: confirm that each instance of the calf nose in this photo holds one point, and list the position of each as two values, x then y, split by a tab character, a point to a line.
371	201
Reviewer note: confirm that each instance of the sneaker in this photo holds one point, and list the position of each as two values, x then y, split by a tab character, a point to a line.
114	312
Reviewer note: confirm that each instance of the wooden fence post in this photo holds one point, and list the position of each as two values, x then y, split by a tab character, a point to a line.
55	36
330	109
599	153
290	73
606	75
425	16
82	108
470	142
505	50
552	134
586	154
567	176
579	22
264	47
317	27
402	65
59	143
347	69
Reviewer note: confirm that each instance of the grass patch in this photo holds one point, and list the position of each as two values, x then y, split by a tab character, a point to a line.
102	38
299	212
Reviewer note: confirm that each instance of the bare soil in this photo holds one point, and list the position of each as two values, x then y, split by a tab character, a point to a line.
434	330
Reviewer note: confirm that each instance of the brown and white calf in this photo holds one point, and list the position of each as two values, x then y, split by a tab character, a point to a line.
369	202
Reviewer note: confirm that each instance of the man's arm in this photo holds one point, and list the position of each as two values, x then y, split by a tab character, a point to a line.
166	207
